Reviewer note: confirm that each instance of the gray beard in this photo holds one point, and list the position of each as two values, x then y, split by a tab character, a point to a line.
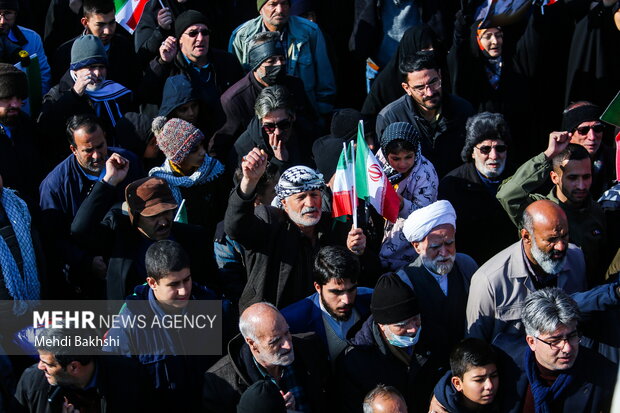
548	264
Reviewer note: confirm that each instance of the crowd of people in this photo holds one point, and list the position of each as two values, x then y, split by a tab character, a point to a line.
193	155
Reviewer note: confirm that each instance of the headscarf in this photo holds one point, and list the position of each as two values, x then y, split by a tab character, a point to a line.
297	179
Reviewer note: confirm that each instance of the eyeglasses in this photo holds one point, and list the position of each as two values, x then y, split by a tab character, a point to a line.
583	130
433	86
194	33
486	149
558	343
283	125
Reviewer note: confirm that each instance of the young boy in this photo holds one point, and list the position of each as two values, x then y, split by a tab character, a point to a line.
472	383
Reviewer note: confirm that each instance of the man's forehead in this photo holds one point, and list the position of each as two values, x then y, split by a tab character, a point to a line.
440	232
576	166
422	75
101	17
339	284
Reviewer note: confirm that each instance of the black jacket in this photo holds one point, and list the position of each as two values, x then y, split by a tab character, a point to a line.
120	384
483	227
370	361
234	373
112	235
442	140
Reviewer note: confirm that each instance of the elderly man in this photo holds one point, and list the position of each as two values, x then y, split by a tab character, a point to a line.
439	276
63	191
211	71
268	68
392	349
304	44
543	258
266	350
570	168
384	399
281	242
439	117
338	307
286	139
484	227
582	120
124	239
553	372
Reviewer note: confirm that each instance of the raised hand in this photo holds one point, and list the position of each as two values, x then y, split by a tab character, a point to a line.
558	141
116	168
253	166
168	49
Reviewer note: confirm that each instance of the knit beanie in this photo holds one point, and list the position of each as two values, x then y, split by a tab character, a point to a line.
177	139
87	50
186	19
392	300
262	397
344	123
481	127
13	82
400	131
260	4
585	113
9	5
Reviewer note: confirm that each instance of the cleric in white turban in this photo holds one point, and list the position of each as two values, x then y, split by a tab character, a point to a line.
422	221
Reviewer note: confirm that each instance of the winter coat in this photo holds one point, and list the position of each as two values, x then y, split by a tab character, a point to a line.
307	57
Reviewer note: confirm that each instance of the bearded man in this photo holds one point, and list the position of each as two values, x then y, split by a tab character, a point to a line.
338	307
281	241
439	276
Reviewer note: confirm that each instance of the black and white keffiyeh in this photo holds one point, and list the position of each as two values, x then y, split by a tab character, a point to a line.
297	179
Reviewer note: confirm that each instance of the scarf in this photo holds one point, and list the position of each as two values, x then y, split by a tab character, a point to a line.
105	98
543	394
210	169
21	286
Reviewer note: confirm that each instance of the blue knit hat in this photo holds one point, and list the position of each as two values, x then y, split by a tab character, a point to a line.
87	51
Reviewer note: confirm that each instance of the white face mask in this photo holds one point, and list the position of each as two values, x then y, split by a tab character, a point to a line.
402	341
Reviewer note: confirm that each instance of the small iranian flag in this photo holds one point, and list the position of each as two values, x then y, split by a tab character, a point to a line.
129	12
343	184
372	184
181	215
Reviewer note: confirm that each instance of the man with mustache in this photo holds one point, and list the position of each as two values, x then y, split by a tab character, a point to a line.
266	350
125	237
484	227
439	276
61	194
338	307
439	117
570	168
543	258
281	241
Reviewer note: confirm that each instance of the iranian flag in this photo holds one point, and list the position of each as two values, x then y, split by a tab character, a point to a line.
129	12
372	184
343	190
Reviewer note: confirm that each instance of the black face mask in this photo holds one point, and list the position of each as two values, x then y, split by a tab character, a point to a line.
274	74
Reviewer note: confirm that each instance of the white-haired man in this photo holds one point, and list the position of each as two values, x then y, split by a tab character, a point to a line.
266	350
440	276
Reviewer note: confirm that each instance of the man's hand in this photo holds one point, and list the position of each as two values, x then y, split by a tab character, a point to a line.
68	407
289	399
253	166
83	79
279	148
116	168
436	407
98	267
558	141
164	18
168	49
356	241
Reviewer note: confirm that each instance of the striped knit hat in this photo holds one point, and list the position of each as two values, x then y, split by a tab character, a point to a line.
177	139
400	131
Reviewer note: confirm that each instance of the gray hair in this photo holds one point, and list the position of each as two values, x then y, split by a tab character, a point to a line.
247	323
381	390
264	37
547	309
528	222
273	98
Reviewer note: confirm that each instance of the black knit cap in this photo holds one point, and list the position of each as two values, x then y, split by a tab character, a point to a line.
571	119
344	123
393	301
262	397
326	151
186	19
13	82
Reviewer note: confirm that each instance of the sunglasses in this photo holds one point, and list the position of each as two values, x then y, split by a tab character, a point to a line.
486	149
194	33
271	127
583	130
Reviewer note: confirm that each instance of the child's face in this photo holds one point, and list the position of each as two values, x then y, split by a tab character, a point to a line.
479	384
402	161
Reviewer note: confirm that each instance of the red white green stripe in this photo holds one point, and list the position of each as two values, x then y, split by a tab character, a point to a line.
129	12
342	190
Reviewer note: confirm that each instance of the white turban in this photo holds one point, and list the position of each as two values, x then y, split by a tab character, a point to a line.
422	221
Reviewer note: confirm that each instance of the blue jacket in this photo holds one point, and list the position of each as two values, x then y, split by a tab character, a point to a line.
306	315
306	57
175	378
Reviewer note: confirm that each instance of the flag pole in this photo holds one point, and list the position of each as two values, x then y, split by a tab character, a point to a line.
354	189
